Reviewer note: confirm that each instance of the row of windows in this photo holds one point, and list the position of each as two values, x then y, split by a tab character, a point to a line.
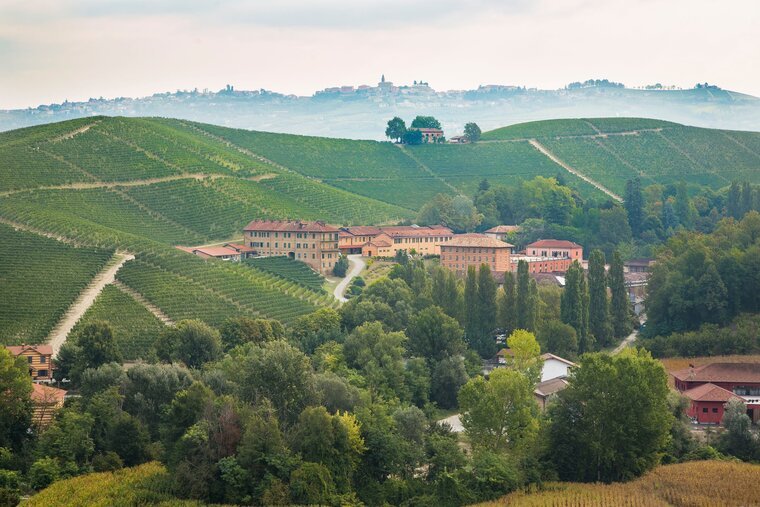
714	410
472	250
553	253
420	240
30	359
299	235
465	266
468	258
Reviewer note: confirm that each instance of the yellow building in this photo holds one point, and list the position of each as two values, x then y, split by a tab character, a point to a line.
314	243
385	241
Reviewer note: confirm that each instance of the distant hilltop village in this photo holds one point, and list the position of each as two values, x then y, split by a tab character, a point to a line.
356	112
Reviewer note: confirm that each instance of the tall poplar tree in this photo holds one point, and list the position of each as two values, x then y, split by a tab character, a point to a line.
507	307
486	310
471	313
619	305
531	323
523	293
746	200
599	315
634	205
574	305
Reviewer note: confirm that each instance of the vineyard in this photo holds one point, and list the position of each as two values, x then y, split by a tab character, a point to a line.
40	277
291	270
693	484
144	185
134	327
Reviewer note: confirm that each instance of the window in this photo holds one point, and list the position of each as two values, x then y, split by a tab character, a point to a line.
715	410
42	373
704	410
29	359
43	359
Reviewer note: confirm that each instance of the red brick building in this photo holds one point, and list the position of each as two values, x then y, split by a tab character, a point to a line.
542	264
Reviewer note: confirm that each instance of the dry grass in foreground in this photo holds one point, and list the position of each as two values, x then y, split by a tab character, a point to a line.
694	484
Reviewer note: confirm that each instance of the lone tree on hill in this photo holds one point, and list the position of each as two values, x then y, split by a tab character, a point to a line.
472	132
396	129
425	122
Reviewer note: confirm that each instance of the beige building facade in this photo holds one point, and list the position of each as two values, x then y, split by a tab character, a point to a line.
314	243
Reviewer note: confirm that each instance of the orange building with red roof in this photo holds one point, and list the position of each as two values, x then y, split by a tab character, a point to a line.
557	248
466	250
38	357
314	243
373	241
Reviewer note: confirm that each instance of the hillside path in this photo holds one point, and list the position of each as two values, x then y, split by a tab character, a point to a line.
156	311
625	343
58	335
541	148
84	185
357	265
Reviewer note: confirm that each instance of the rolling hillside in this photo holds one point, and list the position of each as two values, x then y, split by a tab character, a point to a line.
145	185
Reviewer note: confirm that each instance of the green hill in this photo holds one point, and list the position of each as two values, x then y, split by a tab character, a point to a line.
145	185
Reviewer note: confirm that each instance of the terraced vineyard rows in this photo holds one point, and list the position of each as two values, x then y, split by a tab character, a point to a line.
40	278
134	327
290	269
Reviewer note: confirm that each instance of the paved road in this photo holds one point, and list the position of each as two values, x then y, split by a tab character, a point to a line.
59	333
626	343
356	265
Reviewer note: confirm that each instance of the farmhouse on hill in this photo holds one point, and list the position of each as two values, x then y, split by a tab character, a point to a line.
39	359
314	243
711	386
430	135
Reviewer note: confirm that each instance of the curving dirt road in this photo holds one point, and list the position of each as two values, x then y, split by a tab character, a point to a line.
356	264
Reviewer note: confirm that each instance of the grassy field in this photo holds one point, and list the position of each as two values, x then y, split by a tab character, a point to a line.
694	484
39	279
147	484
134	327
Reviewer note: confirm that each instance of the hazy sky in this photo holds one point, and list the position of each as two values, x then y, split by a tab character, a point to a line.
51	50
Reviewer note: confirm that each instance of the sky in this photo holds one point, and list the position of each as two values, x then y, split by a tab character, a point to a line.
56	50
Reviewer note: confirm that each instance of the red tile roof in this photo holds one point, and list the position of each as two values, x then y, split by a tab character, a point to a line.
16	350
476	241
240	248
361	230
553	243
47	394
216	251
709	392
289	226
721	372
551	386
413	231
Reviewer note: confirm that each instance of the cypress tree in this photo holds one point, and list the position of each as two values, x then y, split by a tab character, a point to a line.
574	305
523	292
733	205
683	207
533	307
486	301
508	304
599	315
471	313
746	200
619	305
585	340
634	205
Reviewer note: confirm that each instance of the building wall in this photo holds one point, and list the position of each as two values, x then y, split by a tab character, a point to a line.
423	245
545	265
41	365
572	253
459	258
554	369
706	412
317	249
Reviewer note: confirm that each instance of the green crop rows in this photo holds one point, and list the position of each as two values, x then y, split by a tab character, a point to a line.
40	279
290	269
134	327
